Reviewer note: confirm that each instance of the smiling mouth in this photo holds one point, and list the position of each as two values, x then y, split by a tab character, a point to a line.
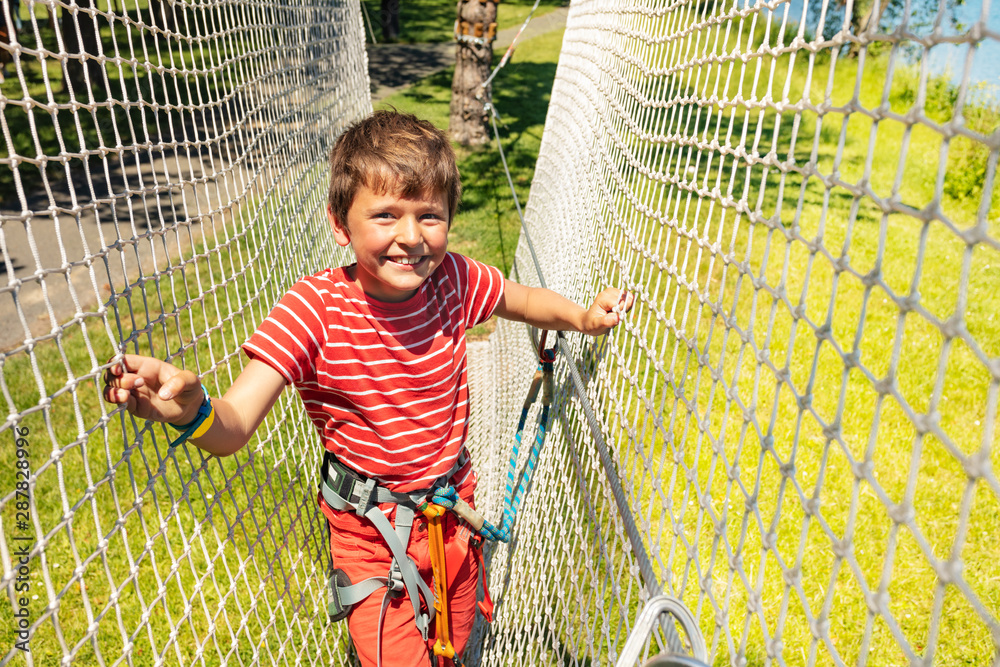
406	261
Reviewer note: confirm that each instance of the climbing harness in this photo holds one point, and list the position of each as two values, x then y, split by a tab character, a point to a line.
345	490
516	488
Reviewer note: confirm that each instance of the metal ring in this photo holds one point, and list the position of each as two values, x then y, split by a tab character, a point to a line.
644	625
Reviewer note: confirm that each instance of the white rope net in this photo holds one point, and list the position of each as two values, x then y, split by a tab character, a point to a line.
164	182
801	408
798	416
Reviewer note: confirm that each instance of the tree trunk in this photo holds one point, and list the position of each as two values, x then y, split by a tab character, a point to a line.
873	16
475	32
88	31
6	37
162	16
389	16
867	22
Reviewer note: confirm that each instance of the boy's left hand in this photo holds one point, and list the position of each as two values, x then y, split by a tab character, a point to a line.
606	311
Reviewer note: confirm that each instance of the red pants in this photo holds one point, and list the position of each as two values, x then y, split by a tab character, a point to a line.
359	550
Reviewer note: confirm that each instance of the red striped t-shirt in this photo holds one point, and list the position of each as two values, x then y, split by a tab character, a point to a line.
384	383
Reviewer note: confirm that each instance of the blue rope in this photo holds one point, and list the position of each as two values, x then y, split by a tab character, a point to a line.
515	491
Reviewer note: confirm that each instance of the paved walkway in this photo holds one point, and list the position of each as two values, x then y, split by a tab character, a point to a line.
393	67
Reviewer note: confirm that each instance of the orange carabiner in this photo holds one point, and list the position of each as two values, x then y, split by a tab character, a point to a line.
435	534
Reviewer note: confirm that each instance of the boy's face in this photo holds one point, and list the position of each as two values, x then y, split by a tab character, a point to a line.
398	241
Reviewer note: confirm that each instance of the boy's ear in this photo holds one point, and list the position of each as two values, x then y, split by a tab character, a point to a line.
340	234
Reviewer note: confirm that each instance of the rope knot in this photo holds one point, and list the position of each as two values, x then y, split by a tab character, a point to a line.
445	497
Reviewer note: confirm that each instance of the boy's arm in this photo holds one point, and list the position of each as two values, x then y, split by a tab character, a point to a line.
546	309
153	389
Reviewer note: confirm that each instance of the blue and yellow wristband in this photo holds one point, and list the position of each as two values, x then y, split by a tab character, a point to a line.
202	421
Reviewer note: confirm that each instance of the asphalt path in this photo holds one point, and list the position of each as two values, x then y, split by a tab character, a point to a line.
393	67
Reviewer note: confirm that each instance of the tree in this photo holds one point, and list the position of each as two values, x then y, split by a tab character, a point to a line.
389	19
76	26
6	33
160	16
475	31
865	17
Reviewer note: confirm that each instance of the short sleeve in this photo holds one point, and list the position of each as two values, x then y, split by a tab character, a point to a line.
484	287
292	335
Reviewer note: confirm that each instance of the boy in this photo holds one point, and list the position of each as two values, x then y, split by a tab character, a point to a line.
377	352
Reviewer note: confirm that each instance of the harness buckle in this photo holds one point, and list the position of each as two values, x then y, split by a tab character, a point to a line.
394	583
365	497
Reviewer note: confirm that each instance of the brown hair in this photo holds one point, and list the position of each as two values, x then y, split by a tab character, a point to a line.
390	150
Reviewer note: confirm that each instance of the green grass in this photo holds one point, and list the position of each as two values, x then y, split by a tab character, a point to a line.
683	416
177	90
221	550
100	479
703	437
430	21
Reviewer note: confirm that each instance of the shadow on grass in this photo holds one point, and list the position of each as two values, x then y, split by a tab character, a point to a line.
427	21
419	21
523	101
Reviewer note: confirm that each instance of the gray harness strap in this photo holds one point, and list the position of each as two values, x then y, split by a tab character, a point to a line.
345	490
355	593
415	586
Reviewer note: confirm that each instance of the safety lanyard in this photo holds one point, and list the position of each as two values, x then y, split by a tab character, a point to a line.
518	482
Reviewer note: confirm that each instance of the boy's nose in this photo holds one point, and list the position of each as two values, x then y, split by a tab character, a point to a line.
408	231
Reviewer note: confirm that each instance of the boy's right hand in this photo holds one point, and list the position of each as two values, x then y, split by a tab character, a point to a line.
153	389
